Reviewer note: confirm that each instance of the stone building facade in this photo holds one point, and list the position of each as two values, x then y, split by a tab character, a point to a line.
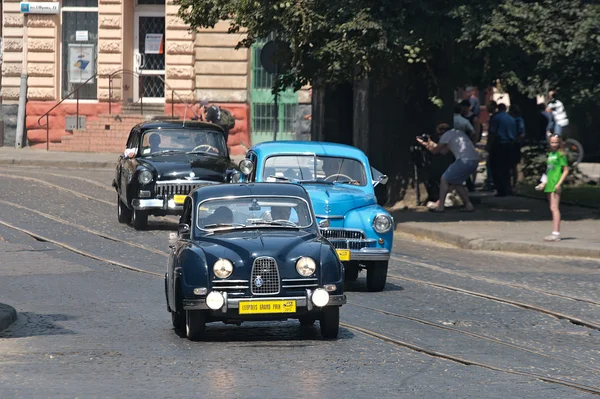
128	58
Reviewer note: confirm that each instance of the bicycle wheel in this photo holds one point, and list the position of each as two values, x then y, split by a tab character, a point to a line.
574	151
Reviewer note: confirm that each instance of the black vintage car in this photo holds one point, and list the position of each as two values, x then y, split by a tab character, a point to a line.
163	162
250	252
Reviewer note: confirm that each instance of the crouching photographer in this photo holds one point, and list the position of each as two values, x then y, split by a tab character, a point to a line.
465	164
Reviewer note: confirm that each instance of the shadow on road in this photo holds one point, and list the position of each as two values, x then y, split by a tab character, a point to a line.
31	324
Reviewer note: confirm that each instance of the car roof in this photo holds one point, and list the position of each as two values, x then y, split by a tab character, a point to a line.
249	189
269	148
178	124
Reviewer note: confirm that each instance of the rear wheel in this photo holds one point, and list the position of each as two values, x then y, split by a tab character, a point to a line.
123	213
195	324
376	275
330	322
351	271
140	219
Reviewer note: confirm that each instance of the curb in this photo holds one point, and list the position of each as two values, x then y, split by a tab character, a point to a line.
66	164
481	244
8	315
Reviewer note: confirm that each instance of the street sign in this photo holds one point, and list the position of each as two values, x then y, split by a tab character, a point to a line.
40	8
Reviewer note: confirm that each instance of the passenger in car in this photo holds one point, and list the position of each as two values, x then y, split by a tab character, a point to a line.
154	142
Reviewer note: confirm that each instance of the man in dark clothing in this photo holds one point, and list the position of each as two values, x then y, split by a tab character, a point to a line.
474	100
502	134
212	114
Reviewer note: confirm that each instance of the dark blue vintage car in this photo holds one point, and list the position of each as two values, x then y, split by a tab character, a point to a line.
252	252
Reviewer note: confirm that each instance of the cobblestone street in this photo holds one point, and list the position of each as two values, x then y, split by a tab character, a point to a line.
92	318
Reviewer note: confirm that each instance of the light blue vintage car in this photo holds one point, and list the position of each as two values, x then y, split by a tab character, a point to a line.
340	183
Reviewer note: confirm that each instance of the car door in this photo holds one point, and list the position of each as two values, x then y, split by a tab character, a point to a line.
128	166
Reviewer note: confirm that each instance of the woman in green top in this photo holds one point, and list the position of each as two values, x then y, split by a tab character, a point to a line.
556	173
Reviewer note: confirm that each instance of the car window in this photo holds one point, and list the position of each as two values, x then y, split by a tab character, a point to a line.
258	212
303	167
183	140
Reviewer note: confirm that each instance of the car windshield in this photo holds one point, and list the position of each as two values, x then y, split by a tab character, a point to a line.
303	167
165	141
253	212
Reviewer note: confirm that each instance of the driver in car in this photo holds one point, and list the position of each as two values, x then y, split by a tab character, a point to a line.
281	212
332	167
154	141
201	144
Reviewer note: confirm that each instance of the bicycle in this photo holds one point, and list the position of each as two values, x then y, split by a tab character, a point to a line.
573	151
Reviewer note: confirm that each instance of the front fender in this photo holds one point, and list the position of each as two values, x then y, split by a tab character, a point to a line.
194	271
332	270
362	219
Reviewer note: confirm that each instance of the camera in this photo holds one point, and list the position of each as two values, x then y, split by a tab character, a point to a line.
424	137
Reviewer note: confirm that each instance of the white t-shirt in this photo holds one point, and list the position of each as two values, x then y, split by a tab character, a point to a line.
558	112
460	145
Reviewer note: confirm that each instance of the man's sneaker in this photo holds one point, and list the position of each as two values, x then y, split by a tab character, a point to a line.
552	237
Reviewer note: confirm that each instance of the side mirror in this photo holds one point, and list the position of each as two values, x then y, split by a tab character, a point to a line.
383	179
183	229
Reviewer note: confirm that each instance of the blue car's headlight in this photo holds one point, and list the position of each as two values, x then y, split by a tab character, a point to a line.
145	177
382	223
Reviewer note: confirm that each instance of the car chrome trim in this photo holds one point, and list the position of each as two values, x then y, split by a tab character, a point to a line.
269	276
231	287
180	181
301	286
234	303
289	280
330	216
370	254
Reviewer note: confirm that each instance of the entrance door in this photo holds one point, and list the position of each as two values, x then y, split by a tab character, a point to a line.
149	56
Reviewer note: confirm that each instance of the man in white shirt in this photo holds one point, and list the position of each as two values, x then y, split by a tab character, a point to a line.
556	107
466	162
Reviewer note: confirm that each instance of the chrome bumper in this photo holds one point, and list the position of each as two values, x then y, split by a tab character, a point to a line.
146	204
234	303
367	254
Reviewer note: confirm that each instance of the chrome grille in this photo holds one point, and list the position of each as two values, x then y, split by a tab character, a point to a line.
232	287
299	283
346	239
167	189
265	272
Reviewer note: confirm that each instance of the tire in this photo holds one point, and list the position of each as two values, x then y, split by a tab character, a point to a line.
140	219
195	324
123	213
351	271
178	316
307	321
574	151
376	275
330	322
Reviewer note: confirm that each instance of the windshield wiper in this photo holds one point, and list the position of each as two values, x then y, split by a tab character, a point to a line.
166	152
278	178
202	152
353	182
285	223
217	225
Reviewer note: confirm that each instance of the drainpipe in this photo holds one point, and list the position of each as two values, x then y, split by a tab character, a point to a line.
23	92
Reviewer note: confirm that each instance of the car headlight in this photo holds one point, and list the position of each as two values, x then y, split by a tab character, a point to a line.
246	166
382	223
305	266
145	177
223	268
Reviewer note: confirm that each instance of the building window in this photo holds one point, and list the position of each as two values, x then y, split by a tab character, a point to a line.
80	48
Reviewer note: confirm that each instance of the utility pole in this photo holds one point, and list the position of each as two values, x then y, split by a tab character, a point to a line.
23	90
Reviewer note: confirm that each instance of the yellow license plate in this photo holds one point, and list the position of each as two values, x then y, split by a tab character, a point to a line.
179	199
343	254
265	307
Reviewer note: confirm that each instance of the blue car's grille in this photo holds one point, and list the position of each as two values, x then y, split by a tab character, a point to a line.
346	239
265	277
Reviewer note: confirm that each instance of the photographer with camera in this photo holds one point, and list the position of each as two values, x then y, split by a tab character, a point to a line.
465	164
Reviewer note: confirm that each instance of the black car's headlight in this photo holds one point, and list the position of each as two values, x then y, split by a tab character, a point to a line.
305	266
145	177
223	268
382	223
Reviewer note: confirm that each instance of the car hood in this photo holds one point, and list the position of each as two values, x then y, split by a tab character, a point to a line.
337	200
243	246
178	166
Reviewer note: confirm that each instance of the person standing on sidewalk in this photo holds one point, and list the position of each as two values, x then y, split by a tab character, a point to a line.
556	173
466	162
556	107
502	135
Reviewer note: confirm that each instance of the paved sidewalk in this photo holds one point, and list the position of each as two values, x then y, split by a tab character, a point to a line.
512	224
36	157
8	315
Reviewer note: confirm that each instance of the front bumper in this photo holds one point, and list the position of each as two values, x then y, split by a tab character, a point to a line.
234	303
153	203
370	254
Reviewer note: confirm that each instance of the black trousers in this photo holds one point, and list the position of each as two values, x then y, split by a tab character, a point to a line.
501	162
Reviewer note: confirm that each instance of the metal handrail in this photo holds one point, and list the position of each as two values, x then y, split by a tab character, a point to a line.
47	114
138	75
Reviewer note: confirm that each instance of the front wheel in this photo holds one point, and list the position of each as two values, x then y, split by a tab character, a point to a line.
330	322
123	213
351	271
376	275
195	324
140	219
